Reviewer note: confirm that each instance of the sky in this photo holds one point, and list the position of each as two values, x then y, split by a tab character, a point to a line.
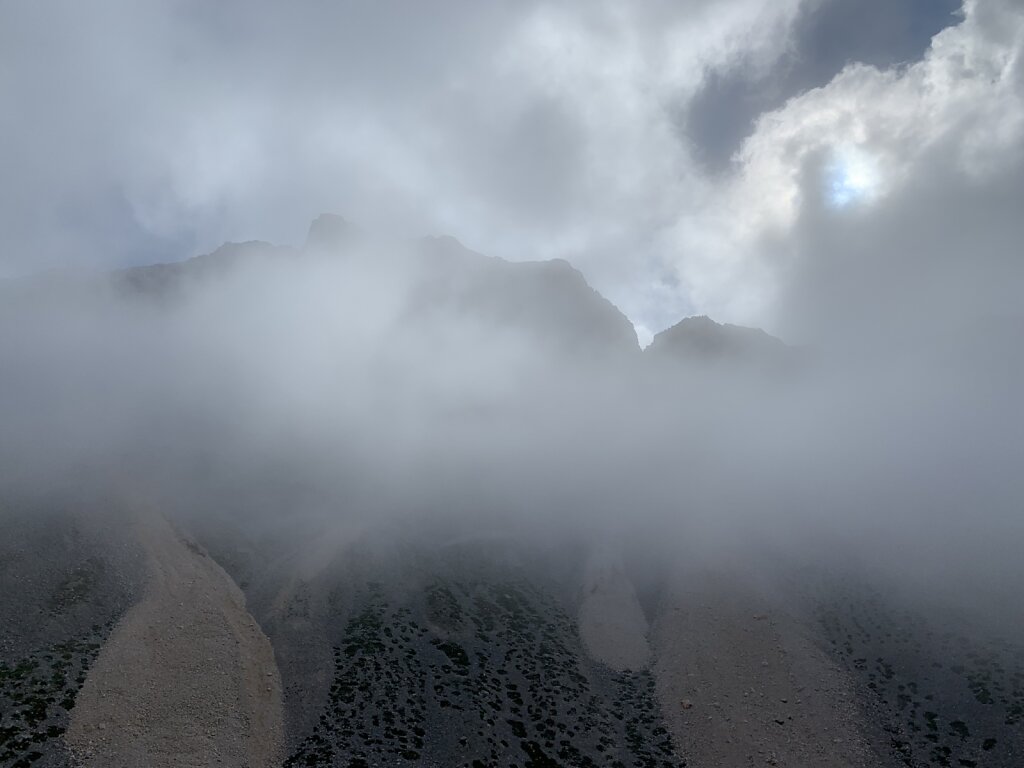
766	162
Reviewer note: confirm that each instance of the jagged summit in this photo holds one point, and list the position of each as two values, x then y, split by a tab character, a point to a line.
700	338
329	231
549	300
164	279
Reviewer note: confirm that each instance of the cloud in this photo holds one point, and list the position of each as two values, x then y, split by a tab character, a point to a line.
826	36
921	158
529	130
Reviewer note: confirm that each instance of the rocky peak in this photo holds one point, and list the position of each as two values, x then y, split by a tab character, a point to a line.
549	299
701	339
328	232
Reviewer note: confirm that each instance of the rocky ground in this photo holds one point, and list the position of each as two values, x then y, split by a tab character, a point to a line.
453	652
488	672
125	643
67	577
945	693
743	683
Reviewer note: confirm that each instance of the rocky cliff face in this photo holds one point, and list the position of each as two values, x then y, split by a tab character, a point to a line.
548	299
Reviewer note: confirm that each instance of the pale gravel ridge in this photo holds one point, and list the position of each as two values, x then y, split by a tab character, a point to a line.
611	622
187	678
742	683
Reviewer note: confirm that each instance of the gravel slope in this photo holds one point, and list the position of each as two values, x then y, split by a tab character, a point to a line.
742	682
611	621
187	678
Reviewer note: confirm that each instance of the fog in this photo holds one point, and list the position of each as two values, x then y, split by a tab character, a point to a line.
349	385
869	217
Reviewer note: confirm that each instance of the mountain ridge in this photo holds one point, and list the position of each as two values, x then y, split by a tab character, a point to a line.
470	279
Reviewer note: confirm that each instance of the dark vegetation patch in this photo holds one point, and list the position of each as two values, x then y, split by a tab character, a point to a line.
945	699
488	673
67	578
38	692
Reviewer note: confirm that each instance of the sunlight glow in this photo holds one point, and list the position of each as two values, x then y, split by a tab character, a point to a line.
852	177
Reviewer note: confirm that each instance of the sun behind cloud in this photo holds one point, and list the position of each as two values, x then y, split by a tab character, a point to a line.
854	176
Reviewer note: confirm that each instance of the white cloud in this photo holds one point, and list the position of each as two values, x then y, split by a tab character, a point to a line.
853	177
528	130
864	137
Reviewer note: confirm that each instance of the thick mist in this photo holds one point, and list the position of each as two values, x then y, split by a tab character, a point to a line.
705	448
371	383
